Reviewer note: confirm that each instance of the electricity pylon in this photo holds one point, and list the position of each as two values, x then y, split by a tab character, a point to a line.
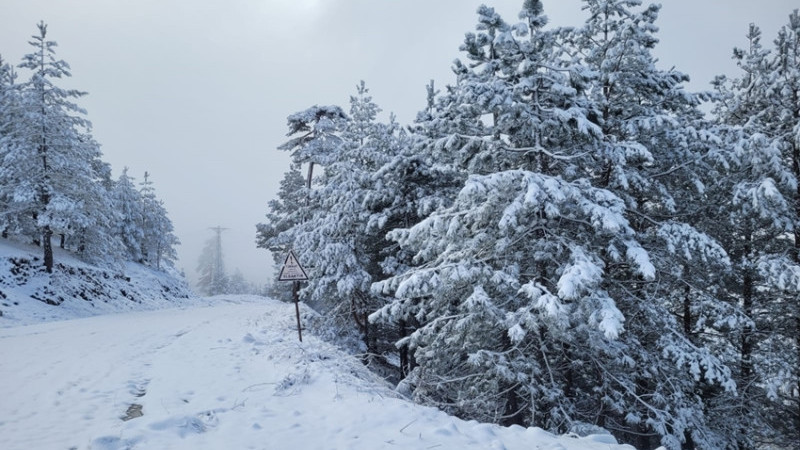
218	270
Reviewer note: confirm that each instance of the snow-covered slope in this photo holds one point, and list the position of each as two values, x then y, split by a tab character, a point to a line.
228	376
75	289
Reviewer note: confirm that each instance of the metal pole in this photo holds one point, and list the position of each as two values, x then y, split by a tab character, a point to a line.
296	294
296	284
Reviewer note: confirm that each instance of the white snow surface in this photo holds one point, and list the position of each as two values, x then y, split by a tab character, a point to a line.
231	375
213	373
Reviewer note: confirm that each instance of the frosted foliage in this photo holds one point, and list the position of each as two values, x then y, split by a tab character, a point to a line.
757	197
636	254
781	273
580	277
764	189
687	242
516	333
159	241
319	139
758	219
700	364
418	283
489	238
609	318
338	229
546	302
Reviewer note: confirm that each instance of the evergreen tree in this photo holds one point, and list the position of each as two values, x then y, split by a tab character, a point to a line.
658	154
761	110
335	241
50	166
470	257
408	188
158	244
785	377
130	218
332	236
238	285
9	117
284	213
554	254
9	98
93	236
316	140
539	292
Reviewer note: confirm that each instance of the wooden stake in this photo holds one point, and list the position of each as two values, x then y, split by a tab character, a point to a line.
296	294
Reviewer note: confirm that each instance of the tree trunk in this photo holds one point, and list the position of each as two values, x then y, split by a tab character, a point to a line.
794	400
688	442
369	339
746	368
687	313
796	254
747	332
512	413
48	249
403	350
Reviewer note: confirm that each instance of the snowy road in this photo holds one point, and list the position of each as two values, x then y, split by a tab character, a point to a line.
231	376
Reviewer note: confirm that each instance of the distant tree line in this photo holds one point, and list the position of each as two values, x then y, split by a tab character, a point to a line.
563	238
213	278
53	182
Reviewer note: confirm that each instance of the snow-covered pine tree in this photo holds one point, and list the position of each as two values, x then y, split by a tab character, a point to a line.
159	242
315	140
9	116
51	168
238	285
284	212
538	292
786	95
657	154
7	87
130	216
761	108
9	98
317	135
93	236
335	241
501	275
406	189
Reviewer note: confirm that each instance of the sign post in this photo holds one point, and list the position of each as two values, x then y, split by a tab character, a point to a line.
294	272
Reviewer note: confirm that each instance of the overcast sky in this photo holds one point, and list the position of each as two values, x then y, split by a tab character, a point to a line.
196	92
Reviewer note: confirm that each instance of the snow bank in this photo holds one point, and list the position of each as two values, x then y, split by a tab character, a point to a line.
75	289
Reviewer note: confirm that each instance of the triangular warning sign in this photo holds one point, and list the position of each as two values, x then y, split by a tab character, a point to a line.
292	270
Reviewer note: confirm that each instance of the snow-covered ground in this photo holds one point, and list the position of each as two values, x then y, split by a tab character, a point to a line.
28	294
229	375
